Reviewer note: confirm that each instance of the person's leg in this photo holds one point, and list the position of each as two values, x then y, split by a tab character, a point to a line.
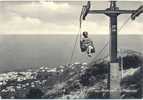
89	51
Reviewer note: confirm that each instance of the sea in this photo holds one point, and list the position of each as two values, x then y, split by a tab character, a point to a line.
21	52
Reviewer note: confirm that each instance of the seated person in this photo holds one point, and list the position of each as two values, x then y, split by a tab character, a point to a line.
86	44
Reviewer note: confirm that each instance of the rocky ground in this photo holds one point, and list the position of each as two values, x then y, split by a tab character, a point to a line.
78	80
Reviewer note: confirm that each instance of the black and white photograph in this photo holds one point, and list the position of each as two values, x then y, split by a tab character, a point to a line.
71	49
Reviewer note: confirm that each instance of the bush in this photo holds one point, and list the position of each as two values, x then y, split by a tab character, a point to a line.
132	61
34	93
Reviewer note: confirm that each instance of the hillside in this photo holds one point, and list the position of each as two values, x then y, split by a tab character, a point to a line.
78	80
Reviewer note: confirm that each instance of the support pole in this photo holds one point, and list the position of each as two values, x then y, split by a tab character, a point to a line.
113	37
114	72
115	78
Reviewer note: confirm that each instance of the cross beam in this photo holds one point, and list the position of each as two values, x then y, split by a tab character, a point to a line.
112	12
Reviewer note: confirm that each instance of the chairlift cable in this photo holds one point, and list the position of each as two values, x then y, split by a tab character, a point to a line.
102	58
98	54
76	40
101	51
126	21
73	50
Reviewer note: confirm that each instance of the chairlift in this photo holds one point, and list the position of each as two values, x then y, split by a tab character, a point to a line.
86	45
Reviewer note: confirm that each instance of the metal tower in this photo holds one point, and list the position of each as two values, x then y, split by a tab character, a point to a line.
112	12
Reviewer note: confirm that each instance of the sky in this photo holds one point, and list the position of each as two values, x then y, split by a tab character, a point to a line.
62	17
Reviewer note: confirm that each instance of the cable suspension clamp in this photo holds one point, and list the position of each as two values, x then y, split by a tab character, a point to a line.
137	12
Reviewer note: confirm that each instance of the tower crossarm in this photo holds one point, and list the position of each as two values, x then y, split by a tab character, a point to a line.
111	11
